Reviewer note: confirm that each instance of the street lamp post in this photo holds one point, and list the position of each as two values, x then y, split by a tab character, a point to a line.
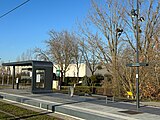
137	58
135	13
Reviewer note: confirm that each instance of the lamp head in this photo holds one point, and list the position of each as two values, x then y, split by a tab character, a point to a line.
133	13
119	30
141	19
119	34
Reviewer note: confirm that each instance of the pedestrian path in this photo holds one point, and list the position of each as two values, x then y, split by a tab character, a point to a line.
83	107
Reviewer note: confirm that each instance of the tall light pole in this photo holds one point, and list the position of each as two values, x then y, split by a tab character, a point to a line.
135	13
137	57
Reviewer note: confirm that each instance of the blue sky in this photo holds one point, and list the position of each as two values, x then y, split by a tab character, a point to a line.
28	26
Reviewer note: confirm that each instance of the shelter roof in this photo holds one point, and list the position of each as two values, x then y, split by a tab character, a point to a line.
29	63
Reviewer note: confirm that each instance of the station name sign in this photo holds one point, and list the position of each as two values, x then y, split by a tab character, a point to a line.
136	64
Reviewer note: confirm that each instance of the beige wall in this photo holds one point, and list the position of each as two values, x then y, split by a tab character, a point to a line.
83	70
72	70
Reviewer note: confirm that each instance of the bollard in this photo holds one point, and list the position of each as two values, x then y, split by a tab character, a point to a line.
106	99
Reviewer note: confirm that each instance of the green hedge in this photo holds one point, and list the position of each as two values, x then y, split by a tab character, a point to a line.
79	90
84	89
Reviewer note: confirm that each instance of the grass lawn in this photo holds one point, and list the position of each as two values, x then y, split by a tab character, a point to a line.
4	116
5	86
9	111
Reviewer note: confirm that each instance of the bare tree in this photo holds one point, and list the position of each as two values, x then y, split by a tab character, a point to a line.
109	25
60	48
77	55
27	55
89	49
42	55
116	34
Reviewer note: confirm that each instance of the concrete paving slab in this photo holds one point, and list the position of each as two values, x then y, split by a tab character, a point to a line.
81	106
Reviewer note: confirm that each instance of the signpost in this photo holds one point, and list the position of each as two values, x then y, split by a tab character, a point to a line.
136	64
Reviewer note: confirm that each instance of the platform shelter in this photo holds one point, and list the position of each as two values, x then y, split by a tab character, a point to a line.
42	72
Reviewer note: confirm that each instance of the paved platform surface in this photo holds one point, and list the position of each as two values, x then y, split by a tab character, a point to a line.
83	107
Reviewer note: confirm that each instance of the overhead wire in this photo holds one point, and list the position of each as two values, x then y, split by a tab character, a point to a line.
14	9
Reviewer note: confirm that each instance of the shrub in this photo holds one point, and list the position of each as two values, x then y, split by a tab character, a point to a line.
83	89
85	81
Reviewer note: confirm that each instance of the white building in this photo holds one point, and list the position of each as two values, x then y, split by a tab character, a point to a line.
83	70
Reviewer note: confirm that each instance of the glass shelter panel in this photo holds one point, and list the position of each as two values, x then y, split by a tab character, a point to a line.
40	78
25	79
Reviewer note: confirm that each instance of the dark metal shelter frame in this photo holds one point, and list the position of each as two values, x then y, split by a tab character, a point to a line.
36	65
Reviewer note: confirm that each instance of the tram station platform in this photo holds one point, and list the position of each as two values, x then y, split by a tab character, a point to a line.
82	107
